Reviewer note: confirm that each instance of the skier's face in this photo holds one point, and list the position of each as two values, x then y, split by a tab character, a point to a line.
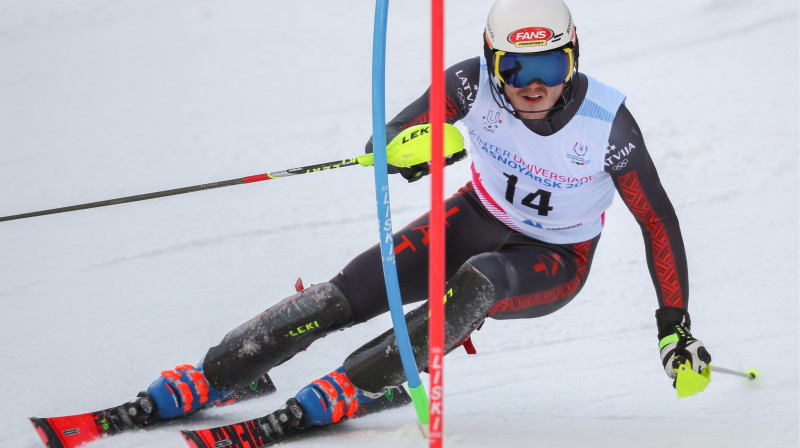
535	96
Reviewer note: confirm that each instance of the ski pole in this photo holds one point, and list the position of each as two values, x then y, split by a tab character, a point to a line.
363	160
410	147
750	374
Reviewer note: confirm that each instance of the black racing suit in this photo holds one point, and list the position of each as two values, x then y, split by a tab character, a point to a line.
493	270
532	278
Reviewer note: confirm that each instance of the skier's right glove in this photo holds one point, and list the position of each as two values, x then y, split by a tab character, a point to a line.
409	152
676	343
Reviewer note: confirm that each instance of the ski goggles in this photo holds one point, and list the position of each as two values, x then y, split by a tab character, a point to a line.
521	69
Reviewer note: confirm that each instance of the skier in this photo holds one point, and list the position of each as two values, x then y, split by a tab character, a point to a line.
549	146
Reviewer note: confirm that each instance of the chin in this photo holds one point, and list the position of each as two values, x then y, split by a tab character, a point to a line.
526	105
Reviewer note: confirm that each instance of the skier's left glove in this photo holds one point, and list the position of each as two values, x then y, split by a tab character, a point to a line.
676	343
420	170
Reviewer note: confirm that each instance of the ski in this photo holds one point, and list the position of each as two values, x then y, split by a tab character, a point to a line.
285	423
75	430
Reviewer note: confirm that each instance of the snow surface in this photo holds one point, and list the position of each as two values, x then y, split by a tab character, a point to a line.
104	99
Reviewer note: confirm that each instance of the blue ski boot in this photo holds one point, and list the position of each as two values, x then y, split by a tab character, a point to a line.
182	391
332	398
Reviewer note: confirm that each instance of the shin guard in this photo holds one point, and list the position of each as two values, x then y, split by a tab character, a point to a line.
377	365
276	335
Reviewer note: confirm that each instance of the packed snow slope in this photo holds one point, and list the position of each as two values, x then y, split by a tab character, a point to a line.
104	99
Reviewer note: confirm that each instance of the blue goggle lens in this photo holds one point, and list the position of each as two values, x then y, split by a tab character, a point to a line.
521	69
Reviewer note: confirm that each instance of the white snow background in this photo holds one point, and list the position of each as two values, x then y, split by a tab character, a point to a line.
102	99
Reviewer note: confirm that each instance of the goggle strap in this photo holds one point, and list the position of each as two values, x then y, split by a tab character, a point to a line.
497	55
571	63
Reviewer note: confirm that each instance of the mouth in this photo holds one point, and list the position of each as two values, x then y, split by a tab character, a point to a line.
532	98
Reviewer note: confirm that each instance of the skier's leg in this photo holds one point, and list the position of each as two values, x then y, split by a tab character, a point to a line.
334	397
252	349
524	278
355	295
470	230
377	364
536	279
521	281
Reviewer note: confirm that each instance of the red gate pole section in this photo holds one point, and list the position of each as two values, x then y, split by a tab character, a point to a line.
436	280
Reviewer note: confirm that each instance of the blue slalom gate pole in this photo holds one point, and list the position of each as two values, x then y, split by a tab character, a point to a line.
416	388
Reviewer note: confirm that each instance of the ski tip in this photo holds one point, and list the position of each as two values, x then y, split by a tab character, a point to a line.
191	439
45	432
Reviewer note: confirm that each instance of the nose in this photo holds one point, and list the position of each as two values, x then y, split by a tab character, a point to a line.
536	82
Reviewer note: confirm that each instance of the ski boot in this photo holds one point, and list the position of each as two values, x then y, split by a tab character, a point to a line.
332	398
183	391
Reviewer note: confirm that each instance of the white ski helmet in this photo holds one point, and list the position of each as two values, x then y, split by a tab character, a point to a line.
528	27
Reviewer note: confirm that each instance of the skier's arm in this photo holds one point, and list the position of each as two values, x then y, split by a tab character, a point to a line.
461	84
638	184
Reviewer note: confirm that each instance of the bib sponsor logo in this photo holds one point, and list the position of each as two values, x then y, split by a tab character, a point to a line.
531	36
491	121
578	154
539	225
